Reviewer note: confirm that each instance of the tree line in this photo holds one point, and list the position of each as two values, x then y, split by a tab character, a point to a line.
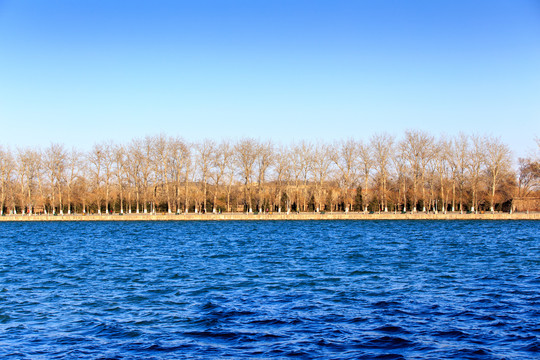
417	172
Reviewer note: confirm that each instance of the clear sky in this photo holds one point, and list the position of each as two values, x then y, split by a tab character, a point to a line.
79	72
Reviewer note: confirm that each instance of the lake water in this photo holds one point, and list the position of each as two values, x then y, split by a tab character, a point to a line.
306	289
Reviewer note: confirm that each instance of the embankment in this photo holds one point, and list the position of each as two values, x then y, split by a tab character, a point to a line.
274	216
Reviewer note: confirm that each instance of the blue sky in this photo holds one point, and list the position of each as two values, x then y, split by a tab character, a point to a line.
79	72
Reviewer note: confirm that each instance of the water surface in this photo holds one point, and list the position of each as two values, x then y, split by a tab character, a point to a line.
304	289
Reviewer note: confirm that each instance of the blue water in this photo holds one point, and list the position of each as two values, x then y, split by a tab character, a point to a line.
332	289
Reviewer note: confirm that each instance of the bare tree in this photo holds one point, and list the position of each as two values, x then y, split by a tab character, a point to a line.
302	158
7	167
205	152
528	176
188	164
120	169
475	163
400	164
452	161
366	165
265	158
73	171
179	157
55	162
161	163
28	167
281	170
141	170
459	160
345	156
426	156
246	155
108	170
295	176
440	160
382	145
134	167
322	160
473	171
96	158
498	163
417	147
102	160
147	172
22	164
84	183
431	179
229	176
291	178
221	161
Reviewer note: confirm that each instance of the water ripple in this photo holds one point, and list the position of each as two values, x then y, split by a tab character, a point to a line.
335	289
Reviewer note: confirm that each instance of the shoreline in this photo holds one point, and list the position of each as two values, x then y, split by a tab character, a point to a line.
272	217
